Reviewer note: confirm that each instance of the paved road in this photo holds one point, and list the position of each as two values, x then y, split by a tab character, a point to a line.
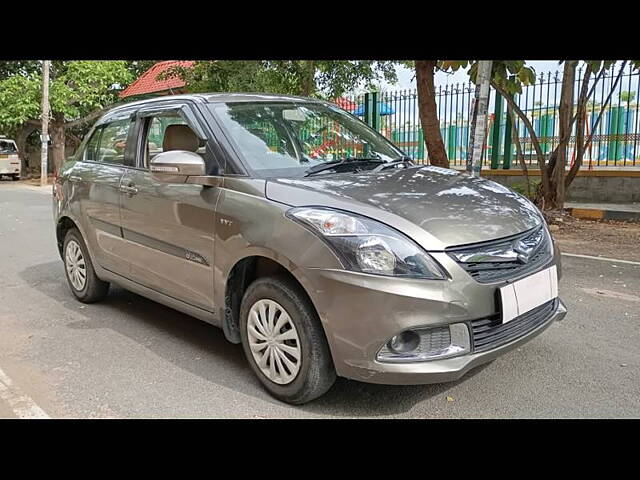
130	357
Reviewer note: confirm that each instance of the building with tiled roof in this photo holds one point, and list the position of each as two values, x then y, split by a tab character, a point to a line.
149	84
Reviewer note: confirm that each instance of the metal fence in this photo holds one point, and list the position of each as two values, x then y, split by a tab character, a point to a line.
615	140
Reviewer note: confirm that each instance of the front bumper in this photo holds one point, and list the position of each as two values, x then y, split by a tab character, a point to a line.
360	313
449	369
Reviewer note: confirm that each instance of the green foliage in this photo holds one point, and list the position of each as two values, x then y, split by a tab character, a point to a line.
627	96
509	74
10	68
76	89
336	77
597	65
521	188
19	100
320	78
138	67
85	86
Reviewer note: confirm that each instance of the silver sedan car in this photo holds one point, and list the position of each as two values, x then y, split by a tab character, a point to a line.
307	237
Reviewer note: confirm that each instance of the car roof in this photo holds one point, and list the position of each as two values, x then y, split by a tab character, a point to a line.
216	98
127	108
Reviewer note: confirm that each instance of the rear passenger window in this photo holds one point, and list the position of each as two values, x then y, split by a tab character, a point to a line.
113	142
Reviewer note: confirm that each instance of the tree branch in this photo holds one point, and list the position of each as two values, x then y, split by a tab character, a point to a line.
88	118
580	115
552	155
604	105
527	123
516	140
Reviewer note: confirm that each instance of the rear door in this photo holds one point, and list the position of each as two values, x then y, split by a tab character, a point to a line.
95	184
169	227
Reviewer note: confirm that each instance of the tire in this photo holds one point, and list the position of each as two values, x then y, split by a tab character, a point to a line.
92	289
316	373
15	178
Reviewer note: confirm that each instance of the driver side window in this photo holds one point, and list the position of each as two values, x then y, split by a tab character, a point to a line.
169	132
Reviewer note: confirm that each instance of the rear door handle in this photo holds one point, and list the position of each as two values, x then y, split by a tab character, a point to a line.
128	189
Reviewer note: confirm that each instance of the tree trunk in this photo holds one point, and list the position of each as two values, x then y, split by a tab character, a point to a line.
581	120
580	147
555	195
57	129
309	80
22	135
544	173
515	135
429	113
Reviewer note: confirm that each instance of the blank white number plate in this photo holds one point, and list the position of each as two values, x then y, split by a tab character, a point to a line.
530	292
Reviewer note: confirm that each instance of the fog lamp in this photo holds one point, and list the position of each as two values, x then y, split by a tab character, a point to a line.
405	342
426	343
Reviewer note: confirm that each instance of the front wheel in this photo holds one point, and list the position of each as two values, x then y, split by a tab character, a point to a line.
284	342
82	278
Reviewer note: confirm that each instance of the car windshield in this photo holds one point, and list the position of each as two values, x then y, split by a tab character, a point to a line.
288	138
7	147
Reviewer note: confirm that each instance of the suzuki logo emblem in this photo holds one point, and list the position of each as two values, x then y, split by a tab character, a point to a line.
523	250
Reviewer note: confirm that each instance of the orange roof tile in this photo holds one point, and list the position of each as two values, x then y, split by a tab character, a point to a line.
149	83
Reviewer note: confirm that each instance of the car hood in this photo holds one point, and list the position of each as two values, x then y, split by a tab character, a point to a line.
437	207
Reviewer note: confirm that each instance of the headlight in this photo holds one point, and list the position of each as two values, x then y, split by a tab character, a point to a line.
365	245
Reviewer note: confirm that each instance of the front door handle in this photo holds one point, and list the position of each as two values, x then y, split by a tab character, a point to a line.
128	189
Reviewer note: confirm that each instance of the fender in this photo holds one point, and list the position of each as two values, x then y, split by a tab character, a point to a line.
279	258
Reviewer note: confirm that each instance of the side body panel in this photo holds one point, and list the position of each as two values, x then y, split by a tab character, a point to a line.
94	192
248	224
169	234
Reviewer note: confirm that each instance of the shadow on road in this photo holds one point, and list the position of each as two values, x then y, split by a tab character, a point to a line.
202	349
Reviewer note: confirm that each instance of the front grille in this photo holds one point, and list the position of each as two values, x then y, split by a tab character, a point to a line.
490	332
507	269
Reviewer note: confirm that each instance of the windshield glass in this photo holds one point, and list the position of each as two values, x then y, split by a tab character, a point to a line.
7	146
286	139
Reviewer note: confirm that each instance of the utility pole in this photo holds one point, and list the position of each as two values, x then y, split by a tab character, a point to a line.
479	125
44	138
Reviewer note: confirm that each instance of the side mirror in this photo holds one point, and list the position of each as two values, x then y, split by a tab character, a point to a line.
175	166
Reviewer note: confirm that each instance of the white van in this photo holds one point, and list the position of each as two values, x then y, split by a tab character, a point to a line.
9	160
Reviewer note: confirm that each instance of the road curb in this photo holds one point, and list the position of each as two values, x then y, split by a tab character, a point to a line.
601	214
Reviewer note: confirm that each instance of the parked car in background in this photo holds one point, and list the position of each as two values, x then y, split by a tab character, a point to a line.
10	164
307	237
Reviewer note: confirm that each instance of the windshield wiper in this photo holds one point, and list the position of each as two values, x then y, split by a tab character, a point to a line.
337	163
404	160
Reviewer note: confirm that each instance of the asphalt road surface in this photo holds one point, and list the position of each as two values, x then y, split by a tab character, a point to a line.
128	357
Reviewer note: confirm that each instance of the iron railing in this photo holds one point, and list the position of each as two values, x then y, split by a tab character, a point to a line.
615	140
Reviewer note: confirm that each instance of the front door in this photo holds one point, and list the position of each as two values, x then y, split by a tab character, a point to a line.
169	228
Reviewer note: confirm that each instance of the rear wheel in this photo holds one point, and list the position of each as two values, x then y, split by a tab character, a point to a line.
82	279
16	177
284	342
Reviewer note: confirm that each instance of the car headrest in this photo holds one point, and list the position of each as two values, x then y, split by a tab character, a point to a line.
180	137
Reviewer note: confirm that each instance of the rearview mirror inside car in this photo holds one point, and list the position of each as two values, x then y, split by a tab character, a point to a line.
294	115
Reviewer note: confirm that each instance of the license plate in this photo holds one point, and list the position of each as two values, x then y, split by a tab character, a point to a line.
528	293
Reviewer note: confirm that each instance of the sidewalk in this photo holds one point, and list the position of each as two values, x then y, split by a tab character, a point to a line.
629	212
